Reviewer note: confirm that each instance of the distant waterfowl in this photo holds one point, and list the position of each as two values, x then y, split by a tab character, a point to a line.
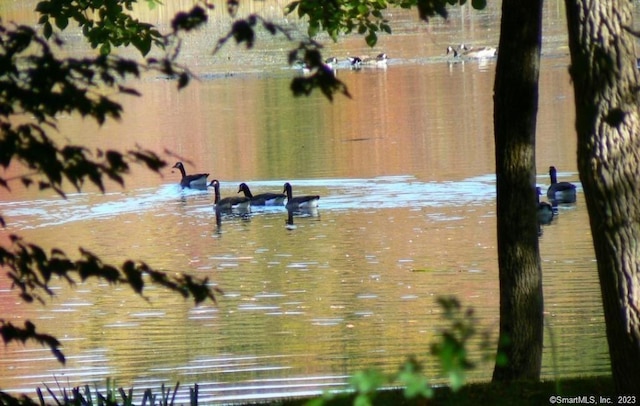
545	209
355	62
328	65
478	52
464	51
197	181
379	60
240	203
331	62
262	199
299	202
560	192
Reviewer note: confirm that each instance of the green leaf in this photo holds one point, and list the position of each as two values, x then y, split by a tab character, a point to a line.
62	22
479	4
143	44
43	7
371	38
47	29
105	49
313	30
290	8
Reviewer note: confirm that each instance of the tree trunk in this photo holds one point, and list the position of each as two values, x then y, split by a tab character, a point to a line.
605	77
515	112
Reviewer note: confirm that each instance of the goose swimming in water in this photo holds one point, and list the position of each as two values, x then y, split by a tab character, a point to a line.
378	60
545	209
299	202
262	199
196	181
560	192
241	203
464	51
355	62
331	62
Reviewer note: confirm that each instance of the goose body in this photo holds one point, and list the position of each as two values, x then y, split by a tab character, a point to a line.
299	202
196	181
472	53
545	210
379	60
560	192
262	199
329	65
479	52
240	203
355	62
331	62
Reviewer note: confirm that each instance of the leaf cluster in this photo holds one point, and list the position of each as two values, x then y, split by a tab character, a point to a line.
365	17
243	31
104	23
31	271
452	349
337	17
36	87
322	76
365	386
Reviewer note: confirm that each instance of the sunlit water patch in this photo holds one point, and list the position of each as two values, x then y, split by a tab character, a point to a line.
336	194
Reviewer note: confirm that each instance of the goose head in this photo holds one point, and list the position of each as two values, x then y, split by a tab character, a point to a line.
287	190
245	189
180	167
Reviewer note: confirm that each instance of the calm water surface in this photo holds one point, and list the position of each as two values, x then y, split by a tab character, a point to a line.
407	214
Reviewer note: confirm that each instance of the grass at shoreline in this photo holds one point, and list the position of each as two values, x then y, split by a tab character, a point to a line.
591	390
487	393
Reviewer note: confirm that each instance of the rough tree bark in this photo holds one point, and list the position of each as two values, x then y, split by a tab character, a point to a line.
515	113
605	77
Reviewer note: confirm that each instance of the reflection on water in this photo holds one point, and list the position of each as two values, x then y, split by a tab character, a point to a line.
406	214
309	297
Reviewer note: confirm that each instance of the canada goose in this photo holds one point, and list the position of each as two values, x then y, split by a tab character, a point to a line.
197	181
472	53
478	52
241	203
355	62
560	192
329	65
299	202
262	199
379	60
545	210
331	62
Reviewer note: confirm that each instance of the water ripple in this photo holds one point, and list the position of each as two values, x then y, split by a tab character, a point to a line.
336	194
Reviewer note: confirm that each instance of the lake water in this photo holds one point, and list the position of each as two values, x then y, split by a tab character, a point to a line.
407	214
